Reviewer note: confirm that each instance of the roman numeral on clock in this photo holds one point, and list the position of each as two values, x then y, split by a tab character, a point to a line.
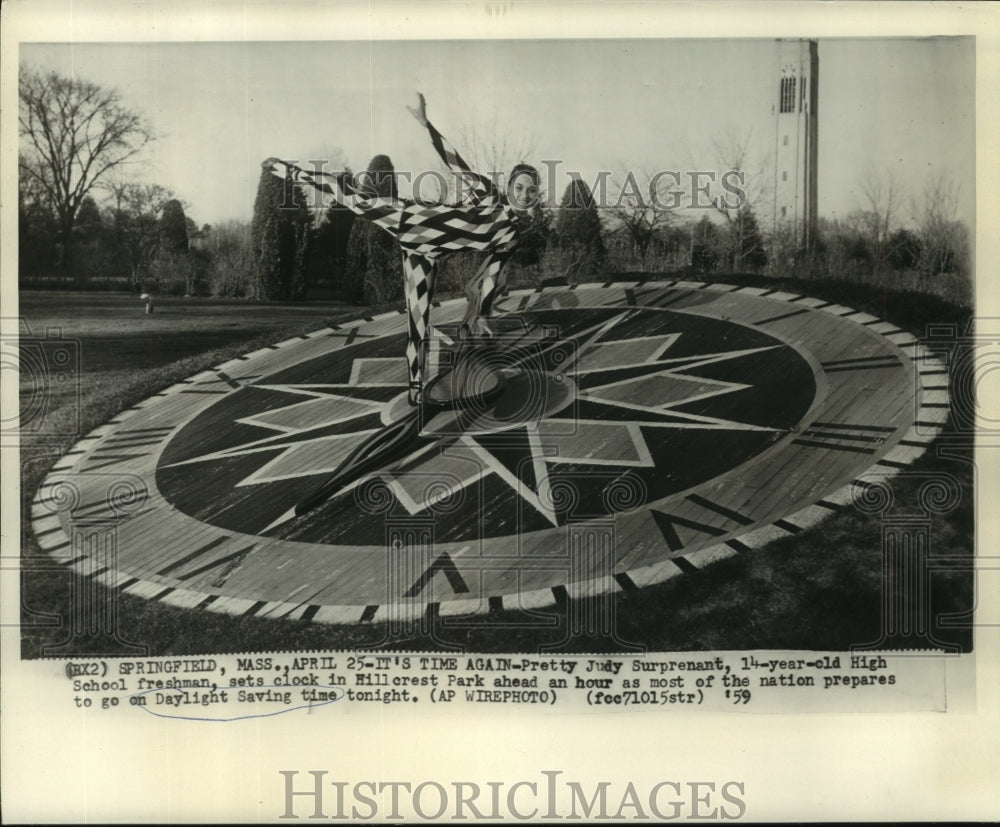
862	363
123	445
200	561
447	567
667	523
841	436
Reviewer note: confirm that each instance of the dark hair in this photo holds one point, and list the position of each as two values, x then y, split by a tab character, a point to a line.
520	169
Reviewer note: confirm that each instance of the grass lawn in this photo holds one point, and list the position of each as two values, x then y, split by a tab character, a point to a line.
821	589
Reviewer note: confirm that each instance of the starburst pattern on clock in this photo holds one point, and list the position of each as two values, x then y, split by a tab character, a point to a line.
628	385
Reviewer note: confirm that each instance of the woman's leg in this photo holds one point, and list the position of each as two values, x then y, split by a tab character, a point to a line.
418	286
482	290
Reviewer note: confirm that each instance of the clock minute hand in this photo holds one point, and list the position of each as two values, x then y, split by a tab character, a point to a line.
395	441
380	449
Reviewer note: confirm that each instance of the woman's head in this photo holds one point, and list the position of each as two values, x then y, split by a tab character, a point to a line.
522	187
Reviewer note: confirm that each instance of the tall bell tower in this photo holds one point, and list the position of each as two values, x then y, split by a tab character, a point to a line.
795	117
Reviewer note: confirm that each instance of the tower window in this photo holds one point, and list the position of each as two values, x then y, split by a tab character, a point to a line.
786	140
784	175
784	212
787	95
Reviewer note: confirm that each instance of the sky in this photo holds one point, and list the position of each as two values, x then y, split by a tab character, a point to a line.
905	105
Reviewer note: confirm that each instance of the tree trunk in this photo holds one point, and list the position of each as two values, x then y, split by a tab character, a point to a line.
67	256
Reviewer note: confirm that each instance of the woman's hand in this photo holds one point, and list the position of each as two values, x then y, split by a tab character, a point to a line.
420	110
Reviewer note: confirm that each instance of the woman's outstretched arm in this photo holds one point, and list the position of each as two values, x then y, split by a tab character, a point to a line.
384	211
478	185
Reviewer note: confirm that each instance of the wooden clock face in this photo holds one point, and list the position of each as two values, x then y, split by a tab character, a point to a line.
659	427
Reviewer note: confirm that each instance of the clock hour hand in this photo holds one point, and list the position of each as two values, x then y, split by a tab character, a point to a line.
469	382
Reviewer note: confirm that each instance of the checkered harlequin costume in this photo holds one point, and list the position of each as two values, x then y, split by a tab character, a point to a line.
482	221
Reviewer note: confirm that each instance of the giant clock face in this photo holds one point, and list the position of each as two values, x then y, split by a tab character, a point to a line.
659	427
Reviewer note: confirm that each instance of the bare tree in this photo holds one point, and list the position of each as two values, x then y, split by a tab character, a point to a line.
645	204
73	132
943	238
746	175
490	149
883	193
734	151
135	212
36	226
